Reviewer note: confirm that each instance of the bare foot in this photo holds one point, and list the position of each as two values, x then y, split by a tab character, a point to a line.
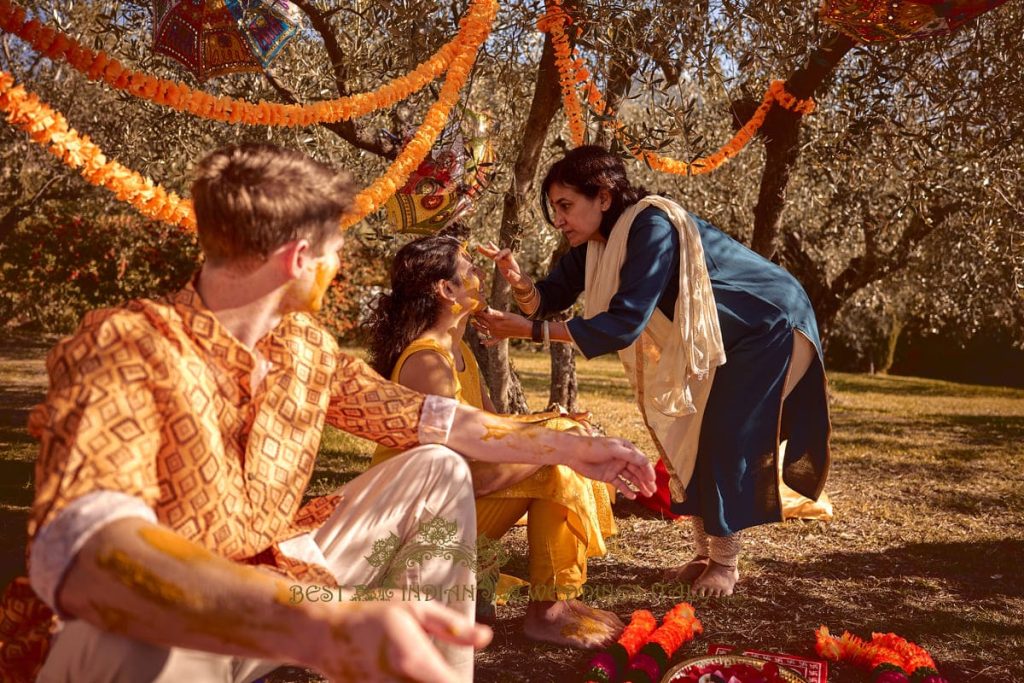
689	572
570	622
717	581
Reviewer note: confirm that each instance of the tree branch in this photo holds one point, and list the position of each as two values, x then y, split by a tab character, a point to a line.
356	136
9	221
781	131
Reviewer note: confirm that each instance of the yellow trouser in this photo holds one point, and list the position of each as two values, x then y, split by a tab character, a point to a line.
558	558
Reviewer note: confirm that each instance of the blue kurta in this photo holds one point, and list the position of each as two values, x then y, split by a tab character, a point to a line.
760	305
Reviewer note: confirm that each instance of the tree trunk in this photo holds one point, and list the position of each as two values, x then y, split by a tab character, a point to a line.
828	296
506	391
781	131
896	326
564	385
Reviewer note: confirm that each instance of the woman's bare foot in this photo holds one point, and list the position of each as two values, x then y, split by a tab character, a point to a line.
689	572
717	581
570	622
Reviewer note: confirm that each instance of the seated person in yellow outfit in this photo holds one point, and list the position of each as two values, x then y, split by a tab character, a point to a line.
416	339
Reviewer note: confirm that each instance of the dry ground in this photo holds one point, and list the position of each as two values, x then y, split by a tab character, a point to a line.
928	539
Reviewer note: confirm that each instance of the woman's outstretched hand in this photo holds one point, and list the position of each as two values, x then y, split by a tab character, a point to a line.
505	261
495	326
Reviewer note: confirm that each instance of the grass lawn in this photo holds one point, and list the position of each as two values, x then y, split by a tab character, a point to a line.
928	540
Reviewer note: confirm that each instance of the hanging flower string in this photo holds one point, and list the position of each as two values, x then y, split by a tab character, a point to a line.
475	29
574	77
679	627
57	45
889	658
49	128
570	71
609	665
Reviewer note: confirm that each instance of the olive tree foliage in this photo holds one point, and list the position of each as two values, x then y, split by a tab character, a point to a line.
898	198
905	180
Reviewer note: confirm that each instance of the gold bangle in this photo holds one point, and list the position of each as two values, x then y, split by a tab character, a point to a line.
525	293
526	300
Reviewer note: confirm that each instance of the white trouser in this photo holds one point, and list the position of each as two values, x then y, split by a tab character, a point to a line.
396	497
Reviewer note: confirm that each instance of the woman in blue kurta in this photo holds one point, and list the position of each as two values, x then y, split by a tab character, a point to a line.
769	387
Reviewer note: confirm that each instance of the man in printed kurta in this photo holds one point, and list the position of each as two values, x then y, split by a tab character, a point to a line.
168	539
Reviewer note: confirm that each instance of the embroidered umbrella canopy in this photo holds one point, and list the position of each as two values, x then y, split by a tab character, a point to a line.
443	188
881	20
214	37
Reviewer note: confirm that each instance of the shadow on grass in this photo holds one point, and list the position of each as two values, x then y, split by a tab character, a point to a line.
969	569
914	386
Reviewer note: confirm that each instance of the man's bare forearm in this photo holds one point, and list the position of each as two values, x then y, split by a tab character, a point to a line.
493	438
490	477
147	582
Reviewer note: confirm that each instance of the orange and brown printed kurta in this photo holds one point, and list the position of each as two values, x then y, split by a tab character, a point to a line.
155	400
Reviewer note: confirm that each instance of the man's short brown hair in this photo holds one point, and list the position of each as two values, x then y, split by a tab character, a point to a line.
250	199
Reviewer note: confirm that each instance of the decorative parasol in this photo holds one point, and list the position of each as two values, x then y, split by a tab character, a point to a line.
459	168
881	20
214	37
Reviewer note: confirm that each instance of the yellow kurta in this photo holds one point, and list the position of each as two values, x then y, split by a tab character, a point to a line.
587	503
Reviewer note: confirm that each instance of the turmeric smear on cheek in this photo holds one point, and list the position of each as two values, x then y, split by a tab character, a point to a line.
322	279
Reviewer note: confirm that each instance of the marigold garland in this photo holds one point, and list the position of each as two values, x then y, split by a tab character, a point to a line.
49	128
889	657
680	626
55	44
476	30
573	75
606	666
554	22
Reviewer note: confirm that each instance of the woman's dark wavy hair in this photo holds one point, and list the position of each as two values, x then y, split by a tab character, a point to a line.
587	170
401	315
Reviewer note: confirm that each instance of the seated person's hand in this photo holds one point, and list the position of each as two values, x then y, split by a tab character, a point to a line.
616	461
390	641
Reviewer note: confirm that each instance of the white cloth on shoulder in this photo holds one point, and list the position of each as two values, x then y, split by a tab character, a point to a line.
671	366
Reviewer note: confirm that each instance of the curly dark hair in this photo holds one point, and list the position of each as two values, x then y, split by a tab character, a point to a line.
588	170
412	306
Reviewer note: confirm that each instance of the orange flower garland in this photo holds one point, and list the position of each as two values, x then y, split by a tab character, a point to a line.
100	66
554	22
475	29
573	74
887	656
679	627
48	127
606	666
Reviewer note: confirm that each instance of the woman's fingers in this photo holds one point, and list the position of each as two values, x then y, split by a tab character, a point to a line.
489	250
493	252
503	257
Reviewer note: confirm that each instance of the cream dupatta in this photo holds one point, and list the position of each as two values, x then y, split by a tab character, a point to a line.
671	366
